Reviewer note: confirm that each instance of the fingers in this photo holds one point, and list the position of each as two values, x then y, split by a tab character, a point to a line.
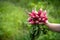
47	21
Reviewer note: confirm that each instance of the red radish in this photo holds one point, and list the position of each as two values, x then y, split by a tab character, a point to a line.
37	17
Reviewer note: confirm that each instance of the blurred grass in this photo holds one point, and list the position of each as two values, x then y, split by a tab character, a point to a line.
13	18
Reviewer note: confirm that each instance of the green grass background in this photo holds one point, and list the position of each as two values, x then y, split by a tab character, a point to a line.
13	18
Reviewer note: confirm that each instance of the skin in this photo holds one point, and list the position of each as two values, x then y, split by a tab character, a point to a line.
53	26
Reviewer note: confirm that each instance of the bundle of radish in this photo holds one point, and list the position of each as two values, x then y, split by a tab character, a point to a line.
36	19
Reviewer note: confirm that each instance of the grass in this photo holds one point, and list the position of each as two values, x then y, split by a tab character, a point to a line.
13	19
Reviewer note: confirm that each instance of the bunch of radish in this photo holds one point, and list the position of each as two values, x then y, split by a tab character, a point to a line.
36	18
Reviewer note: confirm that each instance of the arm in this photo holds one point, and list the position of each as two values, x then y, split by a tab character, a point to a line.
53	27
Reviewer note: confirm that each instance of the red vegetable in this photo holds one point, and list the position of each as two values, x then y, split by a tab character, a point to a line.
37	17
